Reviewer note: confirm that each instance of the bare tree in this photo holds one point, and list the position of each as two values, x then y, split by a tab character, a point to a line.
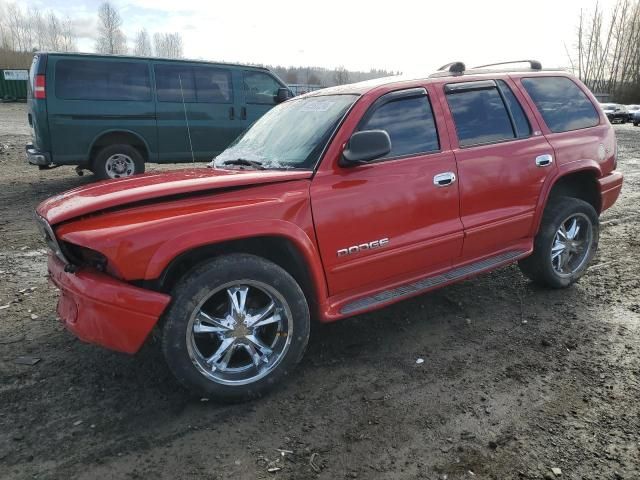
68	36
608	56
341	75
168	45
142	45
110	36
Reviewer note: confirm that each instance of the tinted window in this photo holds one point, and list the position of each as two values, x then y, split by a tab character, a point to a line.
523	129
102	80
409	123
213	85
260	88
174	81
561	103
480	116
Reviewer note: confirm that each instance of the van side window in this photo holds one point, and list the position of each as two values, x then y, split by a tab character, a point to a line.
562	104
102	80
523	129
260	88
479	114
213	85
173	82
409	123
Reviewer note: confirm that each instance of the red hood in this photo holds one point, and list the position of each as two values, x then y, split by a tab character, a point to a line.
113	193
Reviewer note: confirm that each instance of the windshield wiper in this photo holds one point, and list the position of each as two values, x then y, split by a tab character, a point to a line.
245	163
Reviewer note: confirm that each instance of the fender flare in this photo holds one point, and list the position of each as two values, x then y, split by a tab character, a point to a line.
586	165
207	235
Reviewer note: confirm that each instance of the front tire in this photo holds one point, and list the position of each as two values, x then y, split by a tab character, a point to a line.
237	326
117	161
565	244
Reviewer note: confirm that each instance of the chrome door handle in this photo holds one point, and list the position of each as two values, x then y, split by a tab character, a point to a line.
444	179
544	160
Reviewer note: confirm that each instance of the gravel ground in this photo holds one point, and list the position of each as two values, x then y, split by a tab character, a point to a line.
516	380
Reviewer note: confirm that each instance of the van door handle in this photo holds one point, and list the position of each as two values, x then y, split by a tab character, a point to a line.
444	179
232	113
544	160
243	113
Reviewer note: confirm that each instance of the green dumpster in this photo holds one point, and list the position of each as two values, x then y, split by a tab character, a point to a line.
13	84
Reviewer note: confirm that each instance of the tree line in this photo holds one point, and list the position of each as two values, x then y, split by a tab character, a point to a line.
25	30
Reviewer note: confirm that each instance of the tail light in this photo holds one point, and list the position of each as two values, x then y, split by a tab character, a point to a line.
39	90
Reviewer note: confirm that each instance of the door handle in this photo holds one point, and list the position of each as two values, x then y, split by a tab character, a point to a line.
243	113
544	160
444	179
232	113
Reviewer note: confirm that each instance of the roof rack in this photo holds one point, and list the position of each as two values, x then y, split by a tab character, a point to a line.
534	64
458	68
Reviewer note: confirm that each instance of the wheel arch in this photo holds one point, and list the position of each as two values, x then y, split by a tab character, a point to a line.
115	136
581	183
283	250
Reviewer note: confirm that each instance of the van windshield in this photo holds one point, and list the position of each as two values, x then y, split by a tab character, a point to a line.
291	135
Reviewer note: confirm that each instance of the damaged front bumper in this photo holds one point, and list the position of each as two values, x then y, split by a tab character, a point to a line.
102	310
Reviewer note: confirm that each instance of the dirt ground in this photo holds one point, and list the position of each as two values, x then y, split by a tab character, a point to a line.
515	381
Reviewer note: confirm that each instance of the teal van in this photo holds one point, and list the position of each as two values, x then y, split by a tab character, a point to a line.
112	114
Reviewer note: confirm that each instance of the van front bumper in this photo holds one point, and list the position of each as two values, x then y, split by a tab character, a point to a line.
102	310
36	157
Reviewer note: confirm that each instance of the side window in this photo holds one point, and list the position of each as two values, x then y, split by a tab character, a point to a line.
523	129
102	80
409	123
562	104
480	115
213	85
174	81
260	88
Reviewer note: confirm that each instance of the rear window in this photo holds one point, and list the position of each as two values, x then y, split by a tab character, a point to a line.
77	79
562	104
480	116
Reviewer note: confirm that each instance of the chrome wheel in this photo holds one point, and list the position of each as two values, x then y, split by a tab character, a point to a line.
571	244
120	165
239	332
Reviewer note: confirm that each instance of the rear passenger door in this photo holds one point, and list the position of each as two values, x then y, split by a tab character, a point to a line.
196	107
503	161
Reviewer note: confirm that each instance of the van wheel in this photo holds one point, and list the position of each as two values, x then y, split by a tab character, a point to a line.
237	325
117	161
565	244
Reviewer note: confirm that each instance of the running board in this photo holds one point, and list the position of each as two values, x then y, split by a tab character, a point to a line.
431	282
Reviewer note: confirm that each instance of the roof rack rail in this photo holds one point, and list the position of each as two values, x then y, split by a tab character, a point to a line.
534	64
453	67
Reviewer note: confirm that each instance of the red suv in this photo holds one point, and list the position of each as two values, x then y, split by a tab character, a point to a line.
335	203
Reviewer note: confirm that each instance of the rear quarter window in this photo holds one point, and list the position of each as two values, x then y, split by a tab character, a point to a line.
562	104
102	80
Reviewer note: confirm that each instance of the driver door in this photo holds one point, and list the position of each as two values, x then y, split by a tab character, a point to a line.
387	221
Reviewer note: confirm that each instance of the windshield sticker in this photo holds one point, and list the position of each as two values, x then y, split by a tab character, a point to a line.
317	106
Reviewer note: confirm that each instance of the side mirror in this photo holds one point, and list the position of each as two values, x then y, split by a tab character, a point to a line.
365	146
283	95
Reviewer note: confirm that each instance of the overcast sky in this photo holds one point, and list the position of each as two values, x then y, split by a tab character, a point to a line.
409	36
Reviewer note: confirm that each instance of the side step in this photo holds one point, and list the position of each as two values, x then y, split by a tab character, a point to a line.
430	282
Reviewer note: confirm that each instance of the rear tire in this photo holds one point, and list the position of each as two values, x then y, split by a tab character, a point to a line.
117	161
236	327
565	244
